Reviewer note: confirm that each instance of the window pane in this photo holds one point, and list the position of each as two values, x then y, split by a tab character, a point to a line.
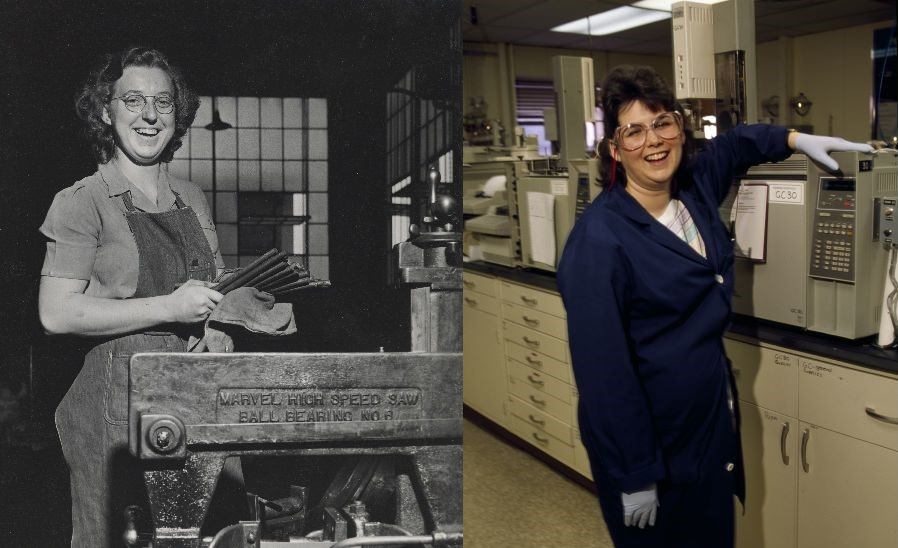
271	112
318	113
318	207
293	144
318	239
201	144
248	112
272	145
318	144
226	175
272	176
292	112
248	143
226	144
249	175
318	176
293	177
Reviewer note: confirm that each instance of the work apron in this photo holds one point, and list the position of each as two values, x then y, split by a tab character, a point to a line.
92	419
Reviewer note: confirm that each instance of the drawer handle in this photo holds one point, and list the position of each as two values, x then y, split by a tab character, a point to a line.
805	436
528	340
530	360
536	420
536	400
538	382
470	301
539	438
528	300
886	419
530	321
783	436
469	283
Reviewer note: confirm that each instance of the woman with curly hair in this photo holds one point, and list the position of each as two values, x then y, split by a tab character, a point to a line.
646	277
131	254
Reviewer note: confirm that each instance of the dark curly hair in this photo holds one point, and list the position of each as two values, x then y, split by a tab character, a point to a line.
622	86
98	90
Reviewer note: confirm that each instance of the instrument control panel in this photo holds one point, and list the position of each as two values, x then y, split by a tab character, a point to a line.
834	230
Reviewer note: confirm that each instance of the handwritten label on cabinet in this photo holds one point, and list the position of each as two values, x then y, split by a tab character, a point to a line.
815	369
782	359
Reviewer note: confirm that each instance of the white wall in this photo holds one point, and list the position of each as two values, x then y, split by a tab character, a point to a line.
833	69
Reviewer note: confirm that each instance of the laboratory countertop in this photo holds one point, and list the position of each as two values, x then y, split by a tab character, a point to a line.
861	352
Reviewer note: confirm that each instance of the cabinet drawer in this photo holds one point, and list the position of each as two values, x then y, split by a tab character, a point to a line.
479	283
539	361
541	420
765	376
547	444
538	381
536	320
534	340
480	301
561	410
550	303
837	398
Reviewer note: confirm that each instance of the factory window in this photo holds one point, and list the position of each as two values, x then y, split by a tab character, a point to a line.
263	164
419	134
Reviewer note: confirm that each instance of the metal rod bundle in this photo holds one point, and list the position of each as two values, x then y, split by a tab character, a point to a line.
272	273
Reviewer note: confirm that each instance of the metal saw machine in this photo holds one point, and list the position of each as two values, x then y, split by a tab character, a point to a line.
365	449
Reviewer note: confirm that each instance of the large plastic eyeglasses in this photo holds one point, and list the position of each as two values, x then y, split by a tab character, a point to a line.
667	125
136	102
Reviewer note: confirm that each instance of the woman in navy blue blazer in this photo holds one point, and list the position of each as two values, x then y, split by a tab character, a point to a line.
646	277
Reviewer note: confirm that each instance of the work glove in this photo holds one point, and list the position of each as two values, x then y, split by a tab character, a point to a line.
818	147
640	507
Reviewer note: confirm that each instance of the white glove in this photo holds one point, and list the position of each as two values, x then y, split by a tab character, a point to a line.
640	507
818	147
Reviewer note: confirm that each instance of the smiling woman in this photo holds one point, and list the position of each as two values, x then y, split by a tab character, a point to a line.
118	243
646	277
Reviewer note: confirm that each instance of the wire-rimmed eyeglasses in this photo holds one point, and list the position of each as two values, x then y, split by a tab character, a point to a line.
667	125
135	102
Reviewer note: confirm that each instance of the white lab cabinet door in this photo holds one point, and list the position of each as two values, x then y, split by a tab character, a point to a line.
848	490
770	451
484	357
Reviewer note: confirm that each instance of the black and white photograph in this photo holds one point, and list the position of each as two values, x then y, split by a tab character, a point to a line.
231	239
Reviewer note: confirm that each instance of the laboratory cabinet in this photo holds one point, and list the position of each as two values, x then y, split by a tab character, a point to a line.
484	359
821	453
819	434
524	383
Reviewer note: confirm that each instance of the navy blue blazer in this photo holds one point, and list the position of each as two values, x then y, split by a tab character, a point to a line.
646	317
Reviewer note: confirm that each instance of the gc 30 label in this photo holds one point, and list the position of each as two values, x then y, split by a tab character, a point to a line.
781	192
